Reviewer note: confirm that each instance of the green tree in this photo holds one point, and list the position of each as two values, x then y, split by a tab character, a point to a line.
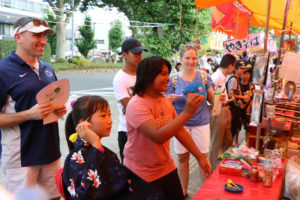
87	42
63	11
160	39
255	29
51	39
115	36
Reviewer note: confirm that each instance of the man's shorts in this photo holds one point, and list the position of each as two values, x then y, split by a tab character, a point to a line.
199	134
42	175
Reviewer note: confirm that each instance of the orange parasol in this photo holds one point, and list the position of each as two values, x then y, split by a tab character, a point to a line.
259	9
201	4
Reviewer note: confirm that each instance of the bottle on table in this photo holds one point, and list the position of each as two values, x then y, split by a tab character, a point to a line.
268	177
254	174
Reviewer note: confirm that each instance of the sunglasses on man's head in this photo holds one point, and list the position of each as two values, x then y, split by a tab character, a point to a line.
36	22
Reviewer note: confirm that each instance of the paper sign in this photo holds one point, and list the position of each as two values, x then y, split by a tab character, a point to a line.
290	67
270	94
270	111
212	41
217	105
235	46
260	69
257	106
254	41
57	93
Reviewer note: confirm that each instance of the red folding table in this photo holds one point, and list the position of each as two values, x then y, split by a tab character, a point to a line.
213	188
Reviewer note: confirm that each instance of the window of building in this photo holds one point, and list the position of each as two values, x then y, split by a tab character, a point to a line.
7	3
15	4
100	41
38	8
8	29
44	8
29	6
22	5
1	29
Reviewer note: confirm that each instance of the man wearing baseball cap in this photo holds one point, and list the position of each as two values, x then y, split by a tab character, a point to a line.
30	150
124	80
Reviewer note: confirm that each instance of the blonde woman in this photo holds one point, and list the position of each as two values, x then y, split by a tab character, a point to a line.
198	126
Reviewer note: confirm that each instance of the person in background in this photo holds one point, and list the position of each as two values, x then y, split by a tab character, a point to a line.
245	58
151	122
234	91
209	66
178	67
247	88
30	149
198	125
239	57
220	133
124	80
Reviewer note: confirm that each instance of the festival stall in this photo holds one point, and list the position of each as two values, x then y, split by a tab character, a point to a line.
244	173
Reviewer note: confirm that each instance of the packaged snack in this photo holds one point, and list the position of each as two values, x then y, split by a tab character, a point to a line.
231	166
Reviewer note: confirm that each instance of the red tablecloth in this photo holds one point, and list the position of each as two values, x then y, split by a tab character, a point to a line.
213	188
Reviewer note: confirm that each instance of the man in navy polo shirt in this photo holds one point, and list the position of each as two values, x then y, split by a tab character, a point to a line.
30	150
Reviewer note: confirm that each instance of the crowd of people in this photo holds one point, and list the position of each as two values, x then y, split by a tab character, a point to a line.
152	110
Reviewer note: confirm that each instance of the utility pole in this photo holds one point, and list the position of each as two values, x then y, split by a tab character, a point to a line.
94	39
72	45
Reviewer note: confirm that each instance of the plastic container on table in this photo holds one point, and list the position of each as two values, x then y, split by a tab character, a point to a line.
231	167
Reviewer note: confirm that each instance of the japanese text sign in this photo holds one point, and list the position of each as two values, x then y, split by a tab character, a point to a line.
237	46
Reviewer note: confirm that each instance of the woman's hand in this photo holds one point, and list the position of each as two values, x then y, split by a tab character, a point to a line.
85	132
205	165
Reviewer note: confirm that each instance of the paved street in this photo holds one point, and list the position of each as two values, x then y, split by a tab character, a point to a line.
101	84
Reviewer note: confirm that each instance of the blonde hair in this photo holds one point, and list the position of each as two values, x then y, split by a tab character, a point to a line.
185	48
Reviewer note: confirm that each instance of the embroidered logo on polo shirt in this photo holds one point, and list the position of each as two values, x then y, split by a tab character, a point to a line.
22	75
48	73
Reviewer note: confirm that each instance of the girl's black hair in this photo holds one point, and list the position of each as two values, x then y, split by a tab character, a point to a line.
83	109
147	71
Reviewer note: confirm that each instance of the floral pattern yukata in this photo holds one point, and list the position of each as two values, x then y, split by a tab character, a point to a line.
91	174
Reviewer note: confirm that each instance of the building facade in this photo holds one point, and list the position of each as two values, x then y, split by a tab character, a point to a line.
11	10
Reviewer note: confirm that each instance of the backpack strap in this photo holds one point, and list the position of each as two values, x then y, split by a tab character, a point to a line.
203	76
174	79
226	84
202	73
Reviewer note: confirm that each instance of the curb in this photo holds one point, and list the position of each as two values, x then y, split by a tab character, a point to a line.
85	71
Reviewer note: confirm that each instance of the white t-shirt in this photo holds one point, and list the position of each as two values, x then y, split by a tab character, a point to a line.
220	80
122	85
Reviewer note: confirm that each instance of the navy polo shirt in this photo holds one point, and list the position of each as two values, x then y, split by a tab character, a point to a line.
30	143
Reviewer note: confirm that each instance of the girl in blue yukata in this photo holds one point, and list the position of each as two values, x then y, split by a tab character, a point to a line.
92	171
